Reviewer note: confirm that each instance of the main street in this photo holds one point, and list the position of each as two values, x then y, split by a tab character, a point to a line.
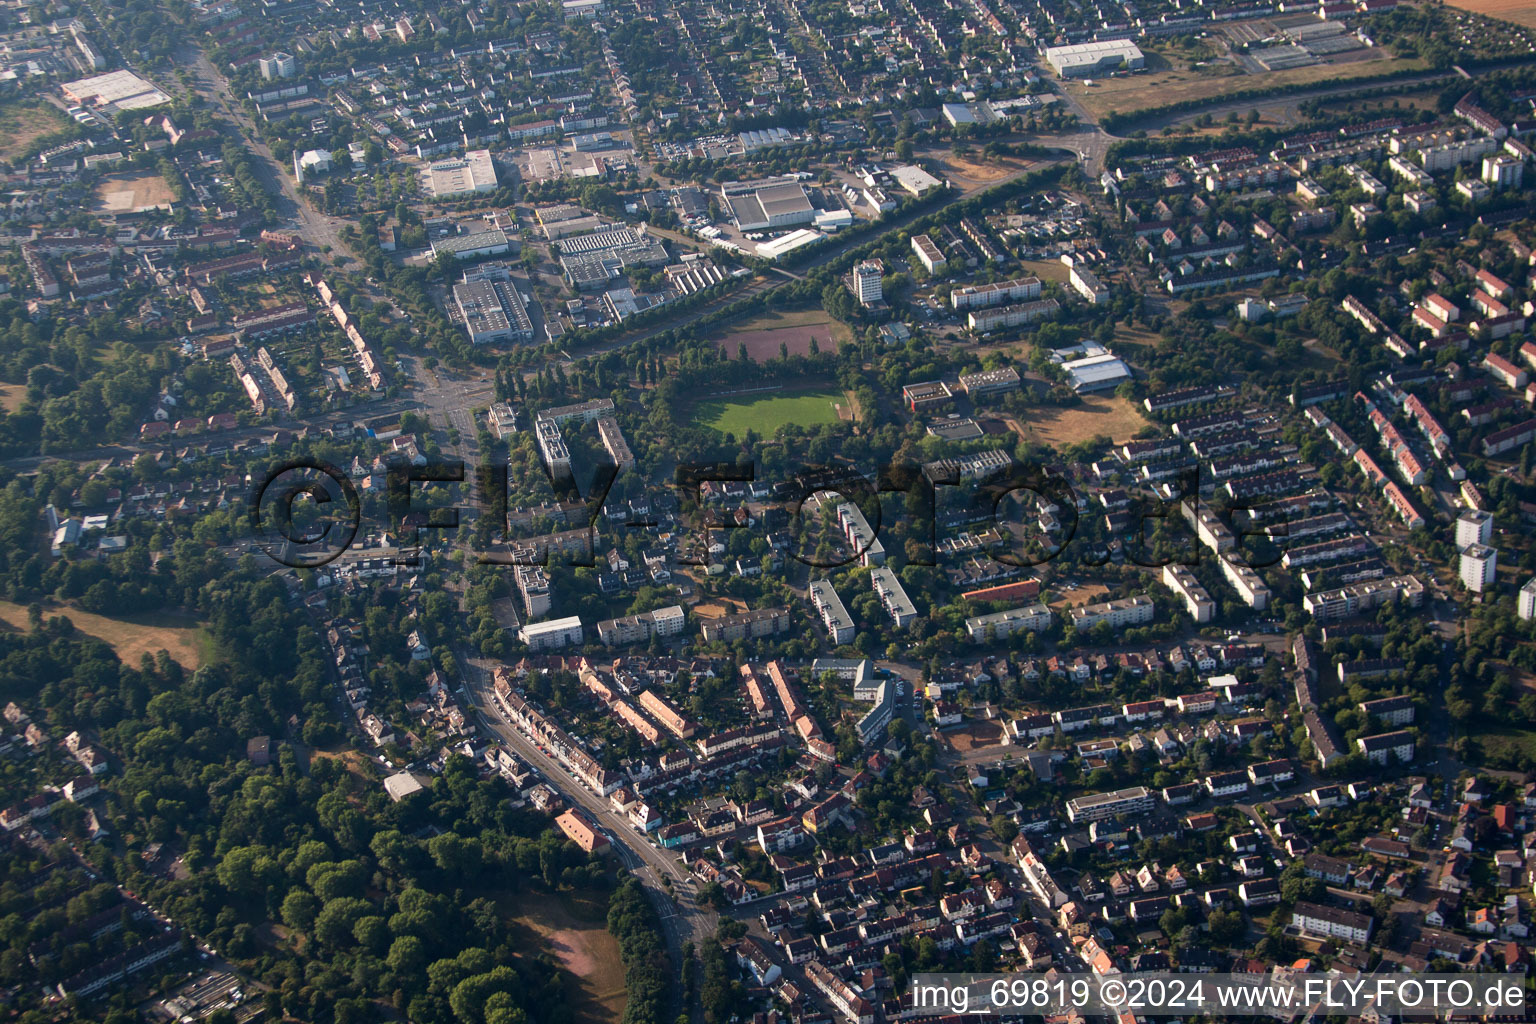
317	229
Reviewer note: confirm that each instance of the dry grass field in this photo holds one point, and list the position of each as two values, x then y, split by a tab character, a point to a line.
973	169
1129	93
1047	270
963	738
125	193
1109	415
1088	593
719	608
1521	12
130	636
1134	343
11	396
24	122
573	930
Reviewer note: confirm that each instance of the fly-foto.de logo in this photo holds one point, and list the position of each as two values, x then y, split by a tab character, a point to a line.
306	513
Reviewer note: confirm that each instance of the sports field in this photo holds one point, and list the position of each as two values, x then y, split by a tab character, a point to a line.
765	412
134	193
769	334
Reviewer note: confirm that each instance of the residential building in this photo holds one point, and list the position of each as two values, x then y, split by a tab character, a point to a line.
893	596
1101	806
1331	922
1479	566
929	255
1388	748
1527	601
833	615
634	629
866	282
1000	625
1127	611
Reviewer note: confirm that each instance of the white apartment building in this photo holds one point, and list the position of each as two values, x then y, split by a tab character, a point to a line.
1479	565
999	625
1087	284
928	254
632	629
1527	600
866	282
1101	806
1128	611
1388	747
1002	293
833	614
1332	922
1197	600
893	596
1474	526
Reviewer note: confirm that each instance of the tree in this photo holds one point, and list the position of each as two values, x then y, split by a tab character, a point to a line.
407	955
299	909
334	924
1226	926
1005	828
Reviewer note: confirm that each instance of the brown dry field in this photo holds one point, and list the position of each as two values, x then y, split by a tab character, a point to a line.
718	609
763	345
149	188
11	396
1521	12
574	932
1047	270
975	169
131	637
1098	414
974	735
1129	93
24	122
1085	594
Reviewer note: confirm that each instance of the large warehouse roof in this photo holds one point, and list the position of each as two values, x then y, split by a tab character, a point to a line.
1096	372
115	90
475	171
1103	54
788	243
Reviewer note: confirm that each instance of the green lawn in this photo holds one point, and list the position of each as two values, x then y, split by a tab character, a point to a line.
1504	741
767	412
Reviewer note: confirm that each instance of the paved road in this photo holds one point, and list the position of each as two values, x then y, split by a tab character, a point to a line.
317	229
